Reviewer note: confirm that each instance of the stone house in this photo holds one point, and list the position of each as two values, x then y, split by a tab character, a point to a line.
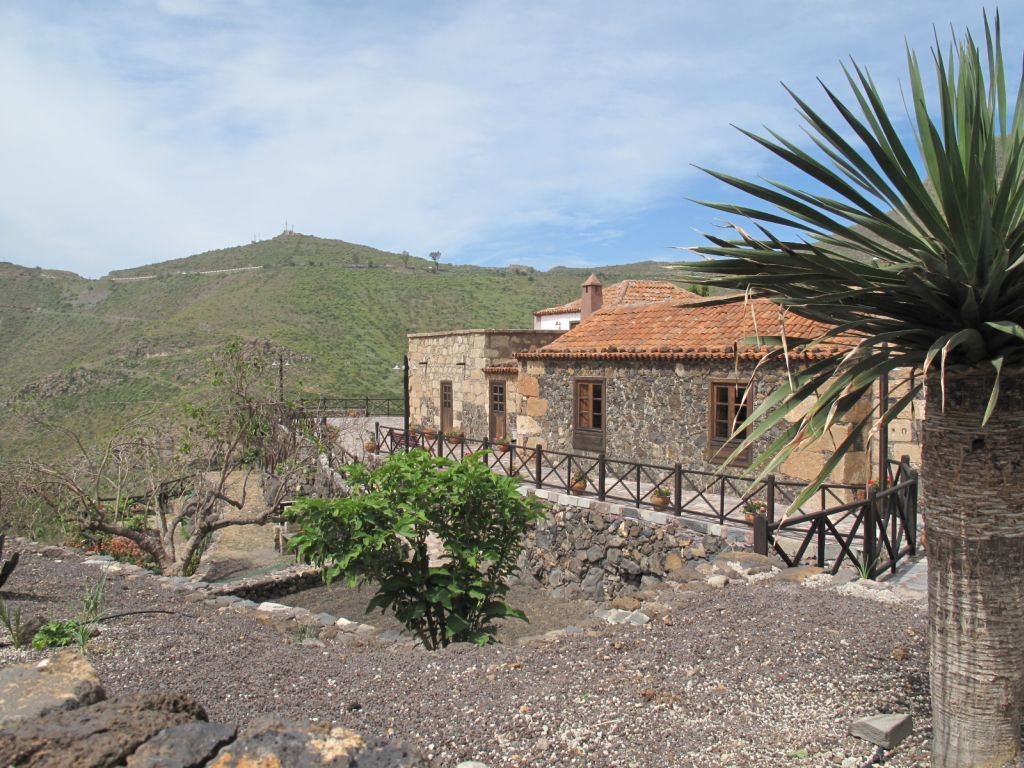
665	383
466	380
661	382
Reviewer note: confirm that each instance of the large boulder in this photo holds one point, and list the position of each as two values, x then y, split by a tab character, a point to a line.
64	681
273	741
96	736
55	717
183	746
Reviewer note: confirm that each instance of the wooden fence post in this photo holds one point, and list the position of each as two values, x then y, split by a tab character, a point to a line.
376	435
821	542
721	501
538	454
912	513
770	504
760	534
871	531
677	489
602	475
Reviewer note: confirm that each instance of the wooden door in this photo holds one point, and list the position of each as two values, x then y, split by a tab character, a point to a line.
447	407
499	424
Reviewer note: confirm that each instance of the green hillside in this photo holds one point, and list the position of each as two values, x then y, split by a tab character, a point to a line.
95	351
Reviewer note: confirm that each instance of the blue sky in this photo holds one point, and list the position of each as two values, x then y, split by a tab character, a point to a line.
538	133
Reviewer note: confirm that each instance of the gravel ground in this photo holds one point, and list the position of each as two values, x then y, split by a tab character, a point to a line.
765	674
545	613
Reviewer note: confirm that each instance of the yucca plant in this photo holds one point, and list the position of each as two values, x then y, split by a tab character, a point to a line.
915	255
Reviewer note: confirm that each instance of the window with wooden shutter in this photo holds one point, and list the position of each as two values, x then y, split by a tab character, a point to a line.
588	416
729	406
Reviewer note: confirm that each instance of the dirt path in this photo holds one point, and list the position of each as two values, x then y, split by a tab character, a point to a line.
244	550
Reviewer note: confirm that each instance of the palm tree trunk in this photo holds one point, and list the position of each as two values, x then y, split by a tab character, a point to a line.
973	499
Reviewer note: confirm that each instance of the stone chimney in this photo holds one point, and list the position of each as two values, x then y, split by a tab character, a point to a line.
592	299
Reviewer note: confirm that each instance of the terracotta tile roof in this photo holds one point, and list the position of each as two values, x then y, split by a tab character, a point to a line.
628	292
671	331
500	369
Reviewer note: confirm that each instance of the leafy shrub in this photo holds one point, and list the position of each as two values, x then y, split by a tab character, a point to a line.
58	634
379	535
136	521
123	550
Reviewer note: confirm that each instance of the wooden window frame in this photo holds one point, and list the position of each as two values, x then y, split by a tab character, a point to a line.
718	449
589	438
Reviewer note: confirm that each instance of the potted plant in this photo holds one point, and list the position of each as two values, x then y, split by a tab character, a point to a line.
370	446
579	482
660	497
429	433
752	508
501	445
454	436
861	494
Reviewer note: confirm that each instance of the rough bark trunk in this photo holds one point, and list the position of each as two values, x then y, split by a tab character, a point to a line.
973	500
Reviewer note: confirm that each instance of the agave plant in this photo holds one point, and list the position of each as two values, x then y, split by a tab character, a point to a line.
915	255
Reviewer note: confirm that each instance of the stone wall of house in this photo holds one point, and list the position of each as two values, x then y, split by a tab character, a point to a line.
905	429
658	413
604	550
460	357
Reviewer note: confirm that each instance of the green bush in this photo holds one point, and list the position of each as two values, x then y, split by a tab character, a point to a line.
379	535
57	634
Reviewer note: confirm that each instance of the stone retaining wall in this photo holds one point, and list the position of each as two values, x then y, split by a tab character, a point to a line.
604	550
286	581
318	629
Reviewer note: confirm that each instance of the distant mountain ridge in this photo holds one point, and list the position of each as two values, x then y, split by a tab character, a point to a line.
138	339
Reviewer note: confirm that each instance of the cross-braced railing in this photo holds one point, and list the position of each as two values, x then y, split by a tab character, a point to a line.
872	532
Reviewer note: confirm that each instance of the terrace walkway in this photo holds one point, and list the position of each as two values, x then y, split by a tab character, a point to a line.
912	579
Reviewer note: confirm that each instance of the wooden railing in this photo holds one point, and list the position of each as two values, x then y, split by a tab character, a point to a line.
351	406
872	533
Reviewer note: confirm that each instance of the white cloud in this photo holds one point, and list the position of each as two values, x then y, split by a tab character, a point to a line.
138	136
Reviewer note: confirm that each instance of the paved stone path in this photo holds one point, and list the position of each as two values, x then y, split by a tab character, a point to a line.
911	580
